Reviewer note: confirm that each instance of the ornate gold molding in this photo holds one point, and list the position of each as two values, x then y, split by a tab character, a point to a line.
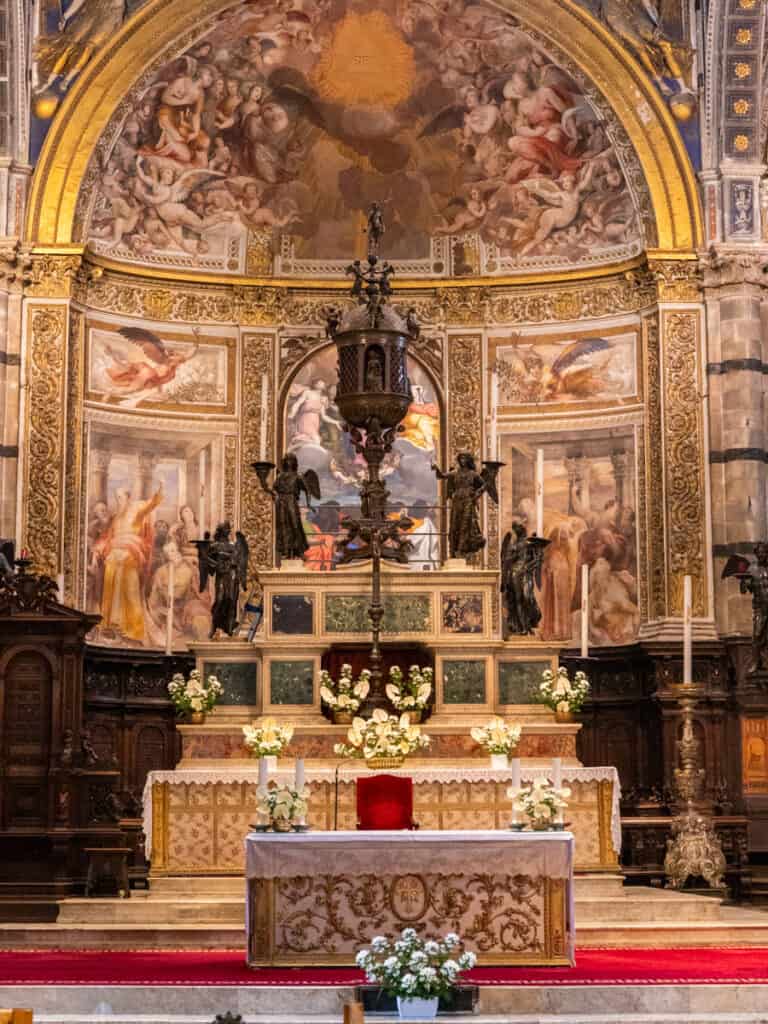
52	275
74	451
655	528
676	280
257	359
685	491
46	367
465	394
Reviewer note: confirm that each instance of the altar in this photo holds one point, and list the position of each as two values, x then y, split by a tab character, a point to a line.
319	898
195	819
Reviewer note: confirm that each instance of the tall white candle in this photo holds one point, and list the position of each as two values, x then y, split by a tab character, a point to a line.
515	786
584	610
492	434
540	492
299	784
263	773
60	587
169	618
557	773
687	631
263	429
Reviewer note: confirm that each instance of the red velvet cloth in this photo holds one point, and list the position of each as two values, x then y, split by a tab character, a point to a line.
682	966
384	802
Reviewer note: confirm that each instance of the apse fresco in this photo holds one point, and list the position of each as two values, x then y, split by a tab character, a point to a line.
584	366
590	517
153	367
276	130
313	431
150	495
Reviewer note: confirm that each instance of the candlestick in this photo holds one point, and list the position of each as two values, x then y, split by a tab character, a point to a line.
584	610
540	492
263	430
687	631
169	618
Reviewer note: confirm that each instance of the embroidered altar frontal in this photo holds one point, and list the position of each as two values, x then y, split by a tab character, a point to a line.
320	898
195	820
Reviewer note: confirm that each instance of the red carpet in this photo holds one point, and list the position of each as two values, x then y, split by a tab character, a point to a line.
745	966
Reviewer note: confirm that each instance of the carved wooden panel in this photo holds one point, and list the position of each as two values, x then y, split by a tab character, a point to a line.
27	721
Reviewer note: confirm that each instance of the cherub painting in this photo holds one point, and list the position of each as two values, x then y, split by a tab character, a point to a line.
581	367
474	139
135	366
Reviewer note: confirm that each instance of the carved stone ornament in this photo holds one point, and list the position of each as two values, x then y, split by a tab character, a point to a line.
676	280
720	268
694	851
15	261
26	592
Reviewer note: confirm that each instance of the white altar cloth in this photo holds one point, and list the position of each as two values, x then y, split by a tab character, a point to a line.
280	855
248	773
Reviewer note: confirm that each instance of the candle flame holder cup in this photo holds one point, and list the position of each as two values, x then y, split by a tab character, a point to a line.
263	469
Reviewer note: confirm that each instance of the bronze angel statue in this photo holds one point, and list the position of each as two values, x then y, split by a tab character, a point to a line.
521	558
291	541
227	562
752	574
465	487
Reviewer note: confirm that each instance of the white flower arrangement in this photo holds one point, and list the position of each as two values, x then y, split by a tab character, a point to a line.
267	738
540	802
497	736
194	694
283	804
345	693
413	693
382	735
415	968
560	692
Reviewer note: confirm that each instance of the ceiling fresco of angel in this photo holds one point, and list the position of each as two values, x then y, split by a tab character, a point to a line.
283	123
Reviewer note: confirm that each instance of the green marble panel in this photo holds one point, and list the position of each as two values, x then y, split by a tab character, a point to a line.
519	681
403	613
292	614
464	682
291	682
240	680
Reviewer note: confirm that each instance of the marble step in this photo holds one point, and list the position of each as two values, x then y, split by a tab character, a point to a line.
638	904
585	1004
207	935
153	909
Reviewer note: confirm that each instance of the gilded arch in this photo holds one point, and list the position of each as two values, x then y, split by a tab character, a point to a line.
97	94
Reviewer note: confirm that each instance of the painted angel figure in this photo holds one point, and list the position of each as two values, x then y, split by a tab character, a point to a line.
640	26
168	195
579	372
84	27
291	540
227	562
521	560
142	364
465	488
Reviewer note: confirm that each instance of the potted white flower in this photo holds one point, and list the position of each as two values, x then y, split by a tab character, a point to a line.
561	693
345	694
382	740
194	696
411	694
285	808
415	971
499	738
267	739
540	803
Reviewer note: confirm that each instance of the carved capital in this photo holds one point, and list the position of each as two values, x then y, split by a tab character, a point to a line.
15	262
720	268
53	275
676	280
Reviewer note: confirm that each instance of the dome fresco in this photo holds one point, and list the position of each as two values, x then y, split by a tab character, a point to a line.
259	147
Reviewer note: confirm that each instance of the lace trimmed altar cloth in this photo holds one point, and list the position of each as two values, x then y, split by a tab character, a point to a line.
320	897
195	819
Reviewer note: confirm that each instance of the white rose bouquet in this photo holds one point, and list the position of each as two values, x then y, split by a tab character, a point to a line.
415	968
540	802
346	694
411	694
283	806
561	693
382	736
267	738
497	736
194	694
